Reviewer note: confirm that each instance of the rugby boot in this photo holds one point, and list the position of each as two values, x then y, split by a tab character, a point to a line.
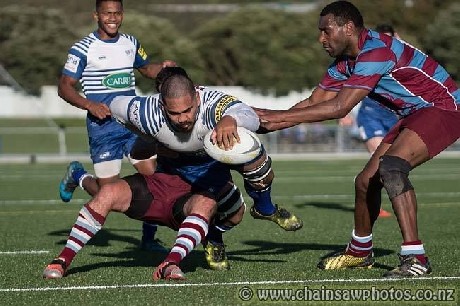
68	184
168	271
384	214
282	217
409	266
56	269
215	255
341	260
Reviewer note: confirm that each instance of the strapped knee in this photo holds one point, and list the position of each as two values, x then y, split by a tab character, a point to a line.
394	173
229	203
261	176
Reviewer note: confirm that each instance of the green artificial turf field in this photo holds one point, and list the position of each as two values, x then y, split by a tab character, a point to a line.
112	270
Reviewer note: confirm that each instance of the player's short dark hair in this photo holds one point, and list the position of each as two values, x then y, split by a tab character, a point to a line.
385	28
177	85
166	73
344	12
99	2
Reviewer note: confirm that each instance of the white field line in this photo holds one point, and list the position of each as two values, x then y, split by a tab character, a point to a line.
276	197
34	176
26	252
285	175
341	178
47	202
246	283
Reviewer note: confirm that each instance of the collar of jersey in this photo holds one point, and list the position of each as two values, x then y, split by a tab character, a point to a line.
110	40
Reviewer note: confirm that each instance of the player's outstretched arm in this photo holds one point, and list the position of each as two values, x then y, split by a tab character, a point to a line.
151	70
321	107
273	120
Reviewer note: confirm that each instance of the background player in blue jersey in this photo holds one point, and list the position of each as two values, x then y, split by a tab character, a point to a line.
417	88
375	120
104	63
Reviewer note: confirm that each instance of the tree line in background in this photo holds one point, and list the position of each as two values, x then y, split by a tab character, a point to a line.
264	50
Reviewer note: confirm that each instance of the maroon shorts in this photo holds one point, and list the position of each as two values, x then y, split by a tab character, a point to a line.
158	198
437	128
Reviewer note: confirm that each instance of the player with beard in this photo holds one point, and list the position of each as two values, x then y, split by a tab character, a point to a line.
179	129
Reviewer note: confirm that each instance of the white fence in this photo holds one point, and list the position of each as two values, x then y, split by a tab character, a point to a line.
49	104
53	143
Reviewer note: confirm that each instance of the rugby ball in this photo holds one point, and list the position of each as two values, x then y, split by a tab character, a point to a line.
246	150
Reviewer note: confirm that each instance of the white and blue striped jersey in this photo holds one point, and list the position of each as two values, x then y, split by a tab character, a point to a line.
105	69
146	114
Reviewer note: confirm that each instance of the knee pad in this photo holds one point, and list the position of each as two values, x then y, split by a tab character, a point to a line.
394	173
229	203
261	175
227	223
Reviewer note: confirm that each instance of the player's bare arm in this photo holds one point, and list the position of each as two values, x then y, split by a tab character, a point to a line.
318	95
262	112
67	91
151	70
334	108
272	120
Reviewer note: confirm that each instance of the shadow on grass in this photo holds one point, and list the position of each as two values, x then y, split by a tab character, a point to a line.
103	237
133	256
327	205
262	247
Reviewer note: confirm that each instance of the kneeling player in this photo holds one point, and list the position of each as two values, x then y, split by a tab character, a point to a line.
162	198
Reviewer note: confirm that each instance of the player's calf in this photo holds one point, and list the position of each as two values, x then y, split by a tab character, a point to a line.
258	177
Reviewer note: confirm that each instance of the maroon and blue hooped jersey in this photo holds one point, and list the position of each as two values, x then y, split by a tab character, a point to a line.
397	74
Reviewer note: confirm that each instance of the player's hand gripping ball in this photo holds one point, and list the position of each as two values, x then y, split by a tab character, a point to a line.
246	150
